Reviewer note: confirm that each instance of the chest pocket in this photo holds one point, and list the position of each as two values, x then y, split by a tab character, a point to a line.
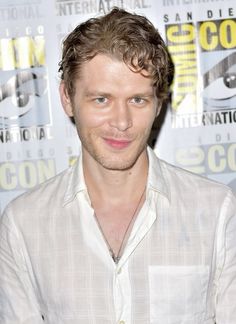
178	294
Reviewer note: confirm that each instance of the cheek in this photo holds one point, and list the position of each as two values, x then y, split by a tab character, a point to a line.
90	120
145	121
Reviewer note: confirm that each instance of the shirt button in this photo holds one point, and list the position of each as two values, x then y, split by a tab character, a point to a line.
121	322
119	272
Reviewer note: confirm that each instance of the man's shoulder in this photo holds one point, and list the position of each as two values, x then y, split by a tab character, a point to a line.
44	195
188	183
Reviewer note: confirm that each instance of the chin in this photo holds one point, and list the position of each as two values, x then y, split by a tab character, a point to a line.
118	167
120	160
116	164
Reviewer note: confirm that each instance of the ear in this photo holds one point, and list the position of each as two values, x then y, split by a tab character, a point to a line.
65	100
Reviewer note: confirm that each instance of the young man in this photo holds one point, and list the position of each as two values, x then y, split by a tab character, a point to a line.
121	237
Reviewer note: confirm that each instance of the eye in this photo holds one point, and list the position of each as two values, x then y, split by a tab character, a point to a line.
20	99
138	100
230	80
101	100
222	88
220	82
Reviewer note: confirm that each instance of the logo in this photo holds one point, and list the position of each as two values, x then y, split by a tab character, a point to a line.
24	88
19	95
23	175
204	86
219	84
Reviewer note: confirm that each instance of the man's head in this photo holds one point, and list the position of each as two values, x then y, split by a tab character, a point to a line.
115	72
128	37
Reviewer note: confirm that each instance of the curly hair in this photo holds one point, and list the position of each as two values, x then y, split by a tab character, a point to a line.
125	36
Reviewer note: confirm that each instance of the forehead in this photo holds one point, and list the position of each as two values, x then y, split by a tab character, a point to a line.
104	70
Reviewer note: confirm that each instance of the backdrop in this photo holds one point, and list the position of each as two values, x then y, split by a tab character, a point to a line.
196	131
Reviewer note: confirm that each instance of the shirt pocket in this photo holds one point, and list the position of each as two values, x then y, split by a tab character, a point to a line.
178	294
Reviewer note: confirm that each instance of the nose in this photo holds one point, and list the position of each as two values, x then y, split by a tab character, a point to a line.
121	117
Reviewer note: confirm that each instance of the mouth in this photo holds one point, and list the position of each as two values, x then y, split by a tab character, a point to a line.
117	143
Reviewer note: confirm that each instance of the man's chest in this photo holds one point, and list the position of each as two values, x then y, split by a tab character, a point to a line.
169	268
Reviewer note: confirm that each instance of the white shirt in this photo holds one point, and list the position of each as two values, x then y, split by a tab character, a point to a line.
179	265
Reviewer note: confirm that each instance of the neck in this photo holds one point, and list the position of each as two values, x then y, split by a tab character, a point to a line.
115	186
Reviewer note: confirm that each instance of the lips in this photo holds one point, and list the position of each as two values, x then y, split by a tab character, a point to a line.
117	143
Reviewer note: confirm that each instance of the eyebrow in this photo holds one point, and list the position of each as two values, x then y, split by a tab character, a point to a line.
144	94
90	94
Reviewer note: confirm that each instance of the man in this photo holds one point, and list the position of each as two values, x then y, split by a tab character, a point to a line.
121	237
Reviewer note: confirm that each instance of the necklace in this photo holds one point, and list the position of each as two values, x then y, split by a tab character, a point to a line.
116	258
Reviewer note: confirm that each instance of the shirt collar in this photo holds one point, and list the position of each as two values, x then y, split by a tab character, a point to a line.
156	178
76	182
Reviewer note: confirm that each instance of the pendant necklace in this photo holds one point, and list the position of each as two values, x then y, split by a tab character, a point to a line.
116	258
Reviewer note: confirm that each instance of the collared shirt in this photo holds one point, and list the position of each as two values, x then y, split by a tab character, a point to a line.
178	267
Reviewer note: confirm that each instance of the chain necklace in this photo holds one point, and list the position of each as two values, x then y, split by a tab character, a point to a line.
116	258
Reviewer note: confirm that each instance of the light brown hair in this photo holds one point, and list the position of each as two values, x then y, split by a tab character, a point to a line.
125	36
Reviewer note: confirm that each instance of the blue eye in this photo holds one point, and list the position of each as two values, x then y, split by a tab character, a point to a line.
101	100
137	100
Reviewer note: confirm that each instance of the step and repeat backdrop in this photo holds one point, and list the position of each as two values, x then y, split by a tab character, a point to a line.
197	131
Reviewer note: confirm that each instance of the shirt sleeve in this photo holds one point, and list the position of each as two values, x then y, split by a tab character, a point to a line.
18	302
226	263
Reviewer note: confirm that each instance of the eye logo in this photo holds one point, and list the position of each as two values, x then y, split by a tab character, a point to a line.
17	95
220	84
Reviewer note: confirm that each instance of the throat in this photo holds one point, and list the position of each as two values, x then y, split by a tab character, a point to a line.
116	224
115	234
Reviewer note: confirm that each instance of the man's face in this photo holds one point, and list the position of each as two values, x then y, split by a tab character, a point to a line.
114	109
